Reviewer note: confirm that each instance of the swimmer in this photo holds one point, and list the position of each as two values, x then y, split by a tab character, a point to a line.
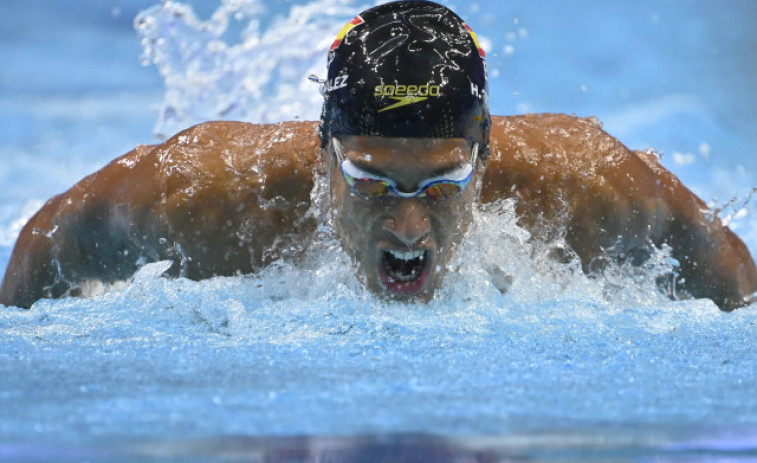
408	149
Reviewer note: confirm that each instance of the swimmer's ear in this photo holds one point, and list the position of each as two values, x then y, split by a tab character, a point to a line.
322	162
478	177
480	166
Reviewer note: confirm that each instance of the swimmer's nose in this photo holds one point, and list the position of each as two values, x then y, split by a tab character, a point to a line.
408	222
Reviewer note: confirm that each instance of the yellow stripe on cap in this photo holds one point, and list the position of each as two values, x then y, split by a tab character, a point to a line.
355	21
481	51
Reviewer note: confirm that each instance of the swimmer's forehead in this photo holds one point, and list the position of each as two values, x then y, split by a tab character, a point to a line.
392	153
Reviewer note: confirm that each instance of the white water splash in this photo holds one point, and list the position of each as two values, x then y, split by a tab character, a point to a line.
260	76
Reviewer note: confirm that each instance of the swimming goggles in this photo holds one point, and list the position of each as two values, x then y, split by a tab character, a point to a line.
368	185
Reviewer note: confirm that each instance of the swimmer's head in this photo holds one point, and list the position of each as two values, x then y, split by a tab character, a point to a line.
407	69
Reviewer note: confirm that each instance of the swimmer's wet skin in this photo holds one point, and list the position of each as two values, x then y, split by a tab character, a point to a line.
408	150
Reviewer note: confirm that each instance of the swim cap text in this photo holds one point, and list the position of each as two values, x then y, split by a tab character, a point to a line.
407	90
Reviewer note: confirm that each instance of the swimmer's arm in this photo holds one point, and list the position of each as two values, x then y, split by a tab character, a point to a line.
567	171
73	237
217	199
715	263
31	270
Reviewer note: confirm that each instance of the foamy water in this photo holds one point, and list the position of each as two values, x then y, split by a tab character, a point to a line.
513	345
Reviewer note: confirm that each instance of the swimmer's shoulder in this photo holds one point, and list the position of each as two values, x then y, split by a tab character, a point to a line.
538	151
241	147
557	141
219	157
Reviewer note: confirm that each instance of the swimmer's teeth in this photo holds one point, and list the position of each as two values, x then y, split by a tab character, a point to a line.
409	266
407	255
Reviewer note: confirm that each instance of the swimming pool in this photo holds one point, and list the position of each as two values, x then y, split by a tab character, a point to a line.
560	367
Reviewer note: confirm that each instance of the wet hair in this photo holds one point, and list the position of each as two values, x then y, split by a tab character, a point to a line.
407	69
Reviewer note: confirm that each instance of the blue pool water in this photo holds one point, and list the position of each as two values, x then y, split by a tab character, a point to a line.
559	368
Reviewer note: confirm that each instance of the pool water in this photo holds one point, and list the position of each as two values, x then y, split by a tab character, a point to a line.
299	362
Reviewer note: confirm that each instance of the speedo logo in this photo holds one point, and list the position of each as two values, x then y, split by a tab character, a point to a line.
406	94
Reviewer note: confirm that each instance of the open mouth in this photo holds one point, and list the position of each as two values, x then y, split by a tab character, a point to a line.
404	272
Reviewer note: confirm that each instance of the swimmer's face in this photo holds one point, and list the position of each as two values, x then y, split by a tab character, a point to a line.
402	245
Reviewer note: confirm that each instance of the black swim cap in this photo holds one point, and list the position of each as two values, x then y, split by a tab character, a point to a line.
407	69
